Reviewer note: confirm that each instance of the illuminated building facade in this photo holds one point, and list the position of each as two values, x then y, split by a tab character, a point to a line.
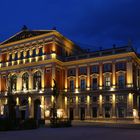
92	85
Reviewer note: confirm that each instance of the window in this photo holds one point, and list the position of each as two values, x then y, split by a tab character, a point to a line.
13	82
94	99
28	54
120	66
37	80
121	98
83	70
82	99
121	112
83	84
71	100
10	57
71	85
107	67
40	52
25	81
16	56
107	98
95	69
34	53
94	112
107	81
21	55
94	83
121	81
71	72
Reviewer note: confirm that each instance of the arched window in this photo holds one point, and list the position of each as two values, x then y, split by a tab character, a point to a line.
83	84
71	85
25	81
13	82
107	81
40	52
37	80
94	83
121	81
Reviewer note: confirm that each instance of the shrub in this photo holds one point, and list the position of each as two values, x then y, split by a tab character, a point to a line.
60	123
29	124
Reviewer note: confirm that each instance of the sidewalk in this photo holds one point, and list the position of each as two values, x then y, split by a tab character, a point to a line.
107	123
104	123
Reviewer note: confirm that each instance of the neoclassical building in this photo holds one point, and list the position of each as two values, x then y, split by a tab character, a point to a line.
92	85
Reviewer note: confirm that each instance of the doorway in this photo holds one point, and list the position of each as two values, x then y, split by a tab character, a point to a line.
71	114
82	115
94	112
37	109
107	112
121	112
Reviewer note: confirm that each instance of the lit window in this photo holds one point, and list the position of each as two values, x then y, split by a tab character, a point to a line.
121	98
107	81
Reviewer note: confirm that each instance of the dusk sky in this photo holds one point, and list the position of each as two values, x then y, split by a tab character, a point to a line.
90	22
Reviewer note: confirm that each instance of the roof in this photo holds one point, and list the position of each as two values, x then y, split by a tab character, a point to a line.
25	33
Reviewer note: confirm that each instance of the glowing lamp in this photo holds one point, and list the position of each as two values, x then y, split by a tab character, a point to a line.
53	55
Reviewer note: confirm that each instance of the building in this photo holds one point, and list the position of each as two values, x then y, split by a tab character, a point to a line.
92	85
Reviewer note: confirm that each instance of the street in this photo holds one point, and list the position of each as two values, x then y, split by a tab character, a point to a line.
72	133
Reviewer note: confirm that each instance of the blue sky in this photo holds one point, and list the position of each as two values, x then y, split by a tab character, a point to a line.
90	23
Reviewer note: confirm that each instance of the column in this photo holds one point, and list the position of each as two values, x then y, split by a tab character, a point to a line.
66	106
53	74
0	82
66	83
19	83
17	101
88	108
30	81
30	107
42	107
76	116
77	85
43	79
100	76
130	105
113	106
100	106
129	74
88	77
113	75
